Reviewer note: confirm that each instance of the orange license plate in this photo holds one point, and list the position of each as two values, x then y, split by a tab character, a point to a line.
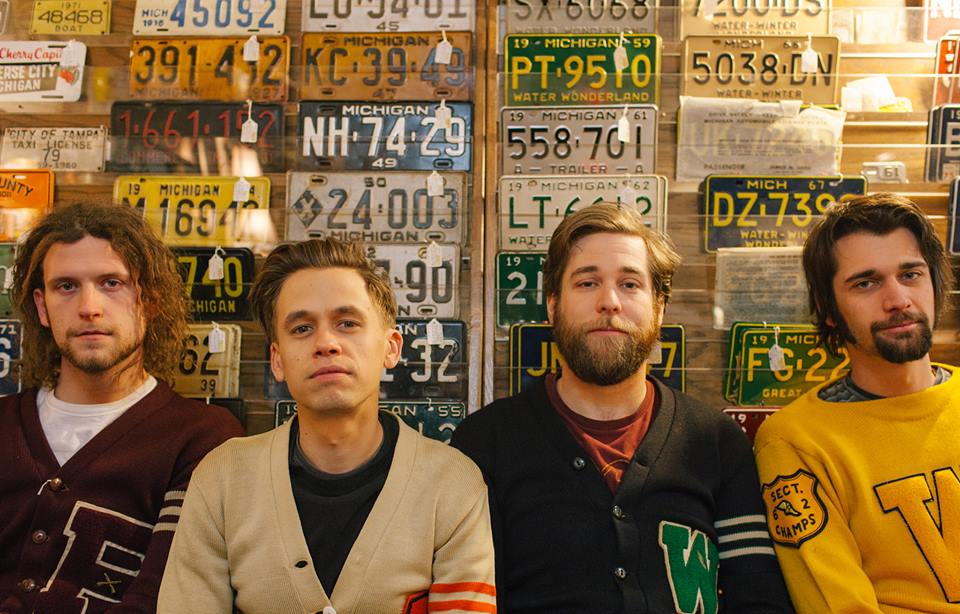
25	196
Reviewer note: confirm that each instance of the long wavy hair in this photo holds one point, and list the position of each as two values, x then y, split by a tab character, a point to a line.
152	268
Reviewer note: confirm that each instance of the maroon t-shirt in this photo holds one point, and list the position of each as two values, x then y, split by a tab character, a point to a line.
609	443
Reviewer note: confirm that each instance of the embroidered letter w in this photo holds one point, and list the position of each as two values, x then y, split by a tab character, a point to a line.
691	559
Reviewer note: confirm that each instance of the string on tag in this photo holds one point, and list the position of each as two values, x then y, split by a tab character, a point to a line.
777	362
444	116
434	255
808	59
250	129
620	61
623	127
444	51
217	340
215	264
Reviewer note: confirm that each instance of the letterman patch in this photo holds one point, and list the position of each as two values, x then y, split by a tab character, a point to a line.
795	512
692	561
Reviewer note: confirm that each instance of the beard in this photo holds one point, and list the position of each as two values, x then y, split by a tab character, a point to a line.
906	346
99	362
604	362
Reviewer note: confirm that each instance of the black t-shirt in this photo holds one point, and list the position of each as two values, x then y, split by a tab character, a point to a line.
334	507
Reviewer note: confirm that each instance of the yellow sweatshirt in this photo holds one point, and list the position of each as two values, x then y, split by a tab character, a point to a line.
863	501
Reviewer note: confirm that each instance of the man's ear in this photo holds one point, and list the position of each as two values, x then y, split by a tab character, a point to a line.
551	306
41	305
276	363
394	347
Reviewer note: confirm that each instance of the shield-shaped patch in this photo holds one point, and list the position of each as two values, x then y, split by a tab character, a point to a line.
795	511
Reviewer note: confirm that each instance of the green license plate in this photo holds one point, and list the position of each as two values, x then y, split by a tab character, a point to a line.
578	69
520	288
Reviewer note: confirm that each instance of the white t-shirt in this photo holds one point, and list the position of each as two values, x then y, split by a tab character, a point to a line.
69	426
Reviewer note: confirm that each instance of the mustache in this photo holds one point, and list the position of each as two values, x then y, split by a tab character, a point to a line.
901	317
612	322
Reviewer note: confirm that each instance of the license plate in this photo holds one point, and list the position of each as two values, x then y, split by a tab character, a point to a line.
436	420
283	411
234	406
735	364
531	208
194	137
197	210
578	69
587	16
25	196
202	373
217	299
577	140
519	288
10	337
943	140
807	365
4	12
375	136
8	252
953	219
59	149
761	67
750	418
755	17
375	208
385	66
945	90
225	17
81	17
209	69
534	353
762	283
939	17
31	71
428	371
749	137
769	211
421	290
387	15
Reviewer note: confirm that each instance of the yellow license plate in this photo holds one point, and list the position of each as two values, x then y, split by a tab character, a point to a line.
25	196
385	66
209	69
198	210
766	68
202	373
733	17
80	17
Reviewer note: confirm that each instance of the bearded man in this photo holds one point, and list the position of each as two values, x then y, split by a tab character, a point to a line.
610	492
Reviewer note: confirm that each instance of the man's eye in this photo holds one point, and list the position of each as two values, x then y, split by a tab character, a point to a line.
66	286
299	330
911	274
349	324
113	283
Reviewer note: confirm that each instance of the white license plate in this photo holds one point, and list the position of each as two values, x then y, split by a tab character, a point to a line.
375	207
220	17
759	284
421	290
32	71
531	208
581	16
202	373
580	140
387	15
747	137
59	149
754	17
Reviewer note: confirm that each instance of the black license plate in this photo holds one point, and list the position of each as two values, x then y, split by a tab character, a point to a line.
221	299
428	371
10	335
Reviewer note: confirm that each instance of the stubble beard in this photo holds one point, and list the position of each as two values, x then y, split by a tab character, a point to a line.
604	362
907	346
95	365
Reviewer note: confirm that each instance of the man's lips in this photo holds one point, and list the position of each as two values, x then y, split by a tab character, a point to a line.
898	327
324	372
91	334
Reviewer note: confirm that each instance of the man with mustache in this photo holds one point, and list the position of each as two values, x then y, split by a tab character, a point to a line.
860	474
97	452
611	492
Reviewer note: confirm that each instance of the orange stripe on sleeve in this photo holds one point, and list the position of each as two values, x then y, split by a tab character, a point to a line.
463	605
464	587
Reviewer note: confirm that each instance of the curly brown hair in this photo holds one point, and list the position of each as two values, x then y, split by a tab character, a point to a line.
152	268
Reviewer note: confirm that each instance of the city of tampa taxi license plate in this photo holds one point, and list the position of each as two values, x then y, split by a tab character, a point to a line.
202	373
187	210
767	210
766	68
579	69
385	66
25	196
534	353
209	69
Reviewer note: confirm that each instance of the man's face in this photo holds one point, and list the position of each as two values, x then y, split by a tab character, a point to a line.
885	295
606	319
91	304
331	344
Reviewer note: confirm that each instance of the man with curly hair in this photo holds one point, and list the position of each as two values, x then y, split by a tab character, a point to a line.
98	450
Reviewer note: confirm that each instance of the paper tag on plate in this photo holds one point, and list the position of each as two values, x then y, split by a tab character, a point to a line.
251	49
215	265
444	116
435	184
656	354
623	128
434	332
620	61
444	51
249	130
434	255
241	190
628	196
218	340
777	363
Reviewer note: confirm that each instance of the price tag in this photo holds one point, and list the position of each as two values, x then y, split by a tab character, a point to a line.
444	116
251	49
434	332
808	59
218	340
656	354
249	129
628	196
444	50
623	127
241	190
8	277
215	265
434	255
620	60
435	184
